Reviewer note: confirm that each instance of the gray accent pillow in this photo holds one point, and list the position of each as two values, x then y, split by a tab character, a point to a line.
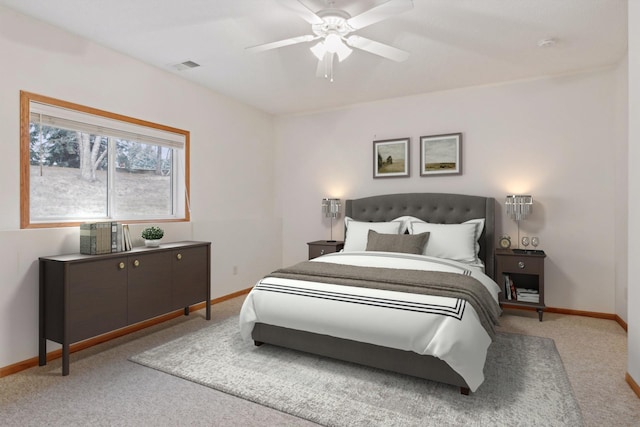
405	243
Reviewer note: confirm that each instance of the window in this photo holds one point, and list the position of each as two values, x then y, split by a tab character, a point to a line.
80	164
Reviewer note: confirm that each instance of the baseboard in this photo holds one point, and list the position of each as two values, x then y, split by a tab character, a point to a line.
634	385
597	315
56	354
621	322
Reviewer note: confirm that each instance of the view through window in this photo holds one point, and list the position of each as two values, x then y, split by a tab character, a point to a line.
84	164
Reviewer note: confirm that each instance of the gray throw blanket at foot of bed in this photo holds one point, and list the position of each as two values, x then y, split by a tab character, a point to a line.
436	283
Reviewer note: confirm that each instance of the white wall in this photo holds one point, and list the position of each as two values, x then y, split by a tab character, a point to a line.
634	190
553	138
232	172
621	129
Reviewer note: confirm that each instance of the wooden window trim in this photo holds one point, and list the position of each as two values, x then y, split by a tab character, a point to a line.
25	99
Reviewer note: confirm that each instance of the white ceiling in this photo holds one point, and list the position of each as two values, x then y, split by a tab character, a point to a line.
453	43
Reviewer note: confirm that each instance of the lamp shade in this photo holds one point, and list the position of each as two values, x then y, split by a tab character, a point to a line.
331	207
519	206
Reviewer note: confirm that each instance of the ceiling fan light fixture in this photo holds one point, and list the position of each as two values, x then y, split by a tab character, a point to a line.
318	50
332	42
343	52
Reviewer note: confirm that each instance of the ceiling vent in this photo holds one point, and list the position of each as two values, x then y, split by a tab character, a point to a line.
185	65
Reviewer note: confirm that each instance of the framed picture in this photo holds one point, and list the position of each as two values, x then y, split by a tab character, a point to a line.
391	158
441	154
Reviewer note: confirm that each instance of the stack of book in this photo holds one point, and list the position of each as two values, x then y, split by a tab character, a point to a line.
528	295
514	293
104	238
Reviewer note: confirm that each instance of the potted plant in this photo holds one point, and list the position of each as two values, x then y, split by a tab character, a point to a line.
152	236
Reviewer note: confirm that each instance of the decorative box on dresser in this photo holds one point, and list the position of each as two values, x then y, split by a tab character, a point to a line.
322	247
82	296
520	274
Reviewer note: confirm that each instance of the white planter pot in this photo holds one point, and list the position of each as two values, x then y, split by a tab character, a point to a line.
152	243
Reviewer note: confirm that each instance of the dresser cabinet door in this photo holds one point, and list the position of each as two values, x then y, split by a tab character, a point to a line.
189	284
149	285
97	298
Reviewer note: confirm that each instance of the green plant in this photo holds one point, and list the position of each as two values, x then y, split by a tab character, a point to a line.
152	233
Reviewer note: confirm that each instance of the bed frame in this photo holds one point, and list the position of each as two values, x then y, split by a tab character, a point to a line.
431	207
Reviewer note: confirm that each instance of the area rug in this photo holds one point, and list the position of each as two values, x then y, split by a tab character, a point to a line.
526	383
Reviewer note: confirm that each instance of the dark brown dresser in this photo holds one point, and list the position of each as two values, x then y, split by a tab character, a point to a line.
82	296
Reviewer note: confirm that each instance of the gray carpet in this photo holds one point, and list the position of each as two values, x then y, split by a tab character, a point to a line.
526	383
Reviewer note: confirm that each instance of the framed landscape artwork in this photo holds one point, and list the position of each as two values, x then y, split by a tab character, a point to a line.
441	154
391	158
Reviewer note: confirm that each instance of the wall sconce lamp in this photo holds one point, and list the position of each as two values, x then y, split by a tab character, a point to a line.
331	209
518	208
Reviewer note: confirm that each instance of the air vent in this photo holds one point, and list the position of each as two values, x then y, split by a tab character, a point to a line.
185	65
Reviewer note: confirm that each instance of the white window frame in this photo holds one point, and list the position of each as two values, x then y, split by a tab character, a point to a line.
53	112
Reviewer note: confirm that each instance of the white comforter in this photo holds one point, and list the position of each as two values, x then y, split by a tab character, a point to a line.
443	327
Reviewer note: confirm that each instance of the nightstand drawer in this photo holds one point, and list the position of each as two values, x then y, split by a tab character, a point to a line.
322	247
521	265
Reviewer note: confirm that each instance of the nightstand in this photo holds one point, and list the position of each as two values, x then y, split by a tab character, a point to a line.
321	247
520	275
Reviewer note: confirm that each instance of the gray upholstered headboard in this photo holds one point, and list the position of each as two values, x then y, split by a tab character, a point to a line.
438	208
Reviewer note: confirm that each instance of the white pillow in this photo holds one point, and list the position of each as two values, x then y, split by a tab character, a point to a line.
357	232
451	241
479	222
479	227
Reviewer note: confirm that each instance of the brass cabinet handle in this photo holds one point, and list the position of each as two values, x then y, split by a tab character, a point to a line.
136	263
179	257
521	264
121	265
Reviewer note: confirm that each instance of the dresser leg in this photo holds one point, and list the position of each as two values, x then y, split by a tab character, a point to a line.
65	359
540	311
42	338
42	352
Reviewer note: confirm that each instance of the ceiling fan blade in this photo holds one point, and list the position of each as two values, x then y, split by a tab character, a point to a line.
378	48
301	9
378	13
281	43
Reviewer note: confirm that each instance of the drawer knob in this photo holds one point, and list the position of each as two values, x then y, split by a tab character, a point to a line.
179	257
121	265
521	264
136	263
321	251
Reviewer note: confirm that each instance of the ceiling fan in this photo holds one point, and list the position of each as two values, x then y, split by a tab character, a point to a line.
334	29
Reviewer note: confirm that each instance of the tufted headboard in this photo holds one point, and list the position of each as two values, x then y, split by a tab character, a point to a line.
438	208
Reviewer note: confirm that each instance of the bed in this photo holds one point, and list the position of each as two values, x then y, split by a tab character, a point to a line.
435	333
